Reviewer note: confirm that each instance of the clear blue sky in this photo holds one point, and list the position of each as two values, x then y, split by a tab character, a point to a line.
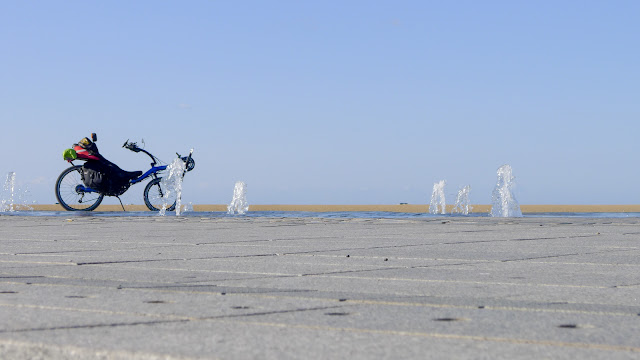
331	102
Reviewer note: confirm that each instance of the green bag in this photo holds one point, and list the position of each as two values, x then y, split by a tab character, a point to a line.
69	155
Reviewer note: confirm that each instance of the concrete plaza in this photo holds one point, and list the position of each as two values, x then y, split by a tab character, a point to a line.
104	287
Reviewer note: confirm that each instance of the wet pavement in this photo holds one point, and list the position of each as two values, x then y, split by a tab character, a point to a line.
326	288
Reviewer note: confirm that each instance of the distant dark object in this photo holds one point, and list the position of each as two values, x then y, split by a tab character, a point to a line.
447	319
568	326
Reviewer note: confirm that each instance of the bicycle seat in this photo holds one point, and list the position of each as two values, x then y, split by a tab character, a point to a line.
132	174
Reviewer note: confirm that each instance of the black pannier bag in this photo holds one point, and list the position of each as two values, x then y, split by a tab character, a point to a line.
106	177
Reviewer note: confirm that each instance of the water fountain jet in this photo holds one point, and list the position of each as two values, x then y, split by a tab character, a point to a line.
8	204
239	204
438	203
462	201
504	203
172	184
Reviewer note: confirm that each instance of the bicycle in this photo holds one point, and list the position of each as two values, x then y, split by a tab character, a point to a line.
73	195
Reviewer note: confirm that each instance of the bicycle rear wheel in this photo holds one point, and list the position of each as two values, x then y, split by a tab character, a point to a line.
155	196
70	194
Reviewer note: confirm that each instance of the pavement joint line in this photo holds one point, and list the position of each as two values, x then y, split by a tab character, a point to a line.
245	272
121	281
66	263
469	261
167	318
93	326
564	255
257	294
468	282
105	239
125	261
95	311
500	308
446	306
200	282
462	264
350	271
271	239
625	285
154	246
397	303
262	313
542	257
206	271
466	263
346	301
331	275
556	237
280	275
186	283
76	352
583	263
418	245
45	253
173	259
606	347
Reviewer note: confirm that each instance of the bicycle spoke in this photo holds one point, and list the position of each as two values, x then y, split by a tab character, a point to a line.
155	197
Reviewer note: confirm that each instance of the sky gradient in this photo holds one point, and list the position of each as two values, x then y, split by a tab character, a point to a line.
332	102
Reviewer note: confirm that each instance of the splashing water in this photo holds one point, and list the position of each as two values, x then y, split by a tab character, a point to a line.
239	204
12	197
171	184
462	201
8	194
187	208
504	203
437	199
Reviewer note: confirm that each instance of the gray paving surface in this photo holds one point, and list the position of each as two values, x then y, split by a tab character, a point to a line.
267	288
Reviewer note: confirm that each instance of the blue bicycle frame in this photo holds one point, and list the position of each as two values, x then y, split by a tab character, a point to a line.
151	171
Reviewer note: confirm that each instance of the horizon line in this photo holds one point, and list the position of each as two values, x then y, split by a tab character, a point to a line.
404	208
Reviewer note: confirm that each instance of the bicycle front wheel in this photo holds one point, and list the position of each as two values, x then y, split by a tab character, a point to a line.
70	194
156	196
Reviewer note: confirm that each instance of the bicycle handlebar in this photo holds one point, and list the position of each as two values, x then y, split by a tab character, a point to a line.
131	146
188	160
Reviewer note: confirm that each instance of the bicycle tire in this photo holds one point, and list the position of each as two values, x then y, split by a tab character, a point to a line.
68	195
153	196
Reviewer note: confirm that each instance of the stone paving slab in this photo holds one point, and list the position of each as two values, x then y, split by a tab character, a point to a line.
289	288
